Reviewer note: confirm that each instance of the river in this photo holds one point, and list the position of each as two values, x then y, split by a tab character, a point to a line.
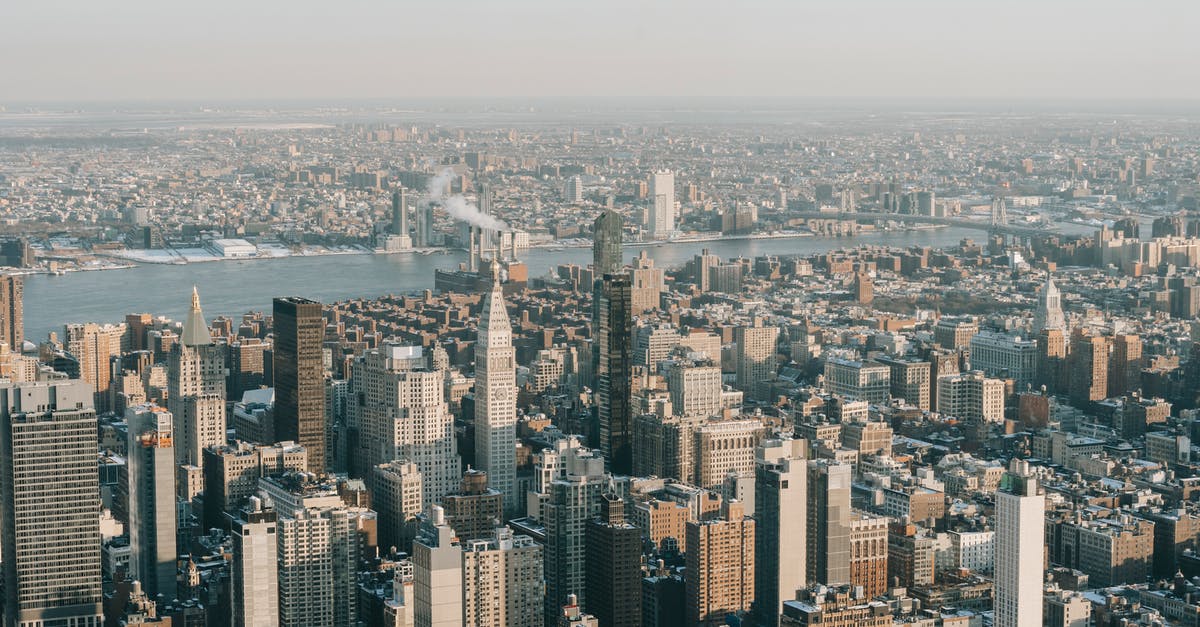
232	288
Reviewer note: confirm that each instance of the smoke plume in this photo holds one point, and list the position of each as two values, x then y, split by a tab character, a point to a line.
458	206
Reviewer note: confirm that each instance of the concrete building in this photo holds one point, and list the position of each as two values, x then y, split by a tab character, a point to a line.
755	366
909	380
196	381
48	453
254	575
437	574
613	578
971	396
502	580
662	208
1006	357
152	515
232	472
496	399
1020	541
865	380
781	513
94	346
474	510
869	553
720	567
955	332
828	525
397	496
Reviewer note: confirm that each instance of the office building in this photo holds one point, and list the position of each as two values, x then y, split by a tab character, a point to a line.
909	380
12	312
647	284
614	566
614	372
254	575
780	504
496	399
1049	313
654	343
1005	357
502	580
151	469
196	381
474	510
232	471
94	346
971	396
828	522
955	332
865	380
606	243
869	553
662	207
299	372
755	368
397	496
1088	373
48	454
437	574
695	389
720	567
1020	541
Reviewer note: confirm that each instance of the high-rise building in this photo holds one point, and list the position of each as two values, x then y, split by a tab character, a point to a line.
254	576
755	366
606	243
232	471
614	374
12	312
614	566
955	332
909	380
1088	372
865	380
780	510
720	567
573	190
151	495
869	553
1052	367
196	389
828	522
1006	357
662	208
647	284
49	483
400	212
1125	368
397	407
474	510
437	574
396	496
695	389
1049	314
502	580
299	372
971	396
94	347
496	399
1020	540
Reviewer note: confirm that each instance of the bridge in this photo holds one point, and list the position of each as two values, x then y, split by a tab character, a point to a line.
998	224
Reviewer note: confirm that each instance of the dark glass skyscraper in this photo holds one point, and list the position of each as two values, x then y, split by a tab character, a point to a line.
606	243
12	319
300	376
614	351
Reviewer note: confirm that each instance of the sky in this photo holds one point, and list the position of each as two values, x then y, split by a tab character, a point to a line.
220	50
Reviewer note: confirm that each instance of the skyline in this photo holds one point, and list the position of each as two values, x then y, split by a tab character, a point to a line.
527	49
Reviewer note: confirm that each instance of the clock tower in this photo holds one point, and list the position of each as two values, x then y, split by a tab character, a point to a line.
496	400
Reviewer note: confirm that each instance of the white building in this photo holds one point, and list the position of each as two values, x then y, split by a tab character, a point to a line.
234	248
1005	356
971	396
254	568
502	581
152	499
496	399
974	550
695	389
781	509
1020	542
868	381
437	574
662	204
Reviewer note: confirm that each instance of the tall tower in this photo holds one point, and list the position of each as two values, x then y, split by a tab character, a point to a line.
399	212
254	571
614	566
662	208
755	358
196	389
49	485
1049	314
437	574
828	522
152	499
1020	518
720	566
780	503
12	318
300	376
614	372
606	243
496	398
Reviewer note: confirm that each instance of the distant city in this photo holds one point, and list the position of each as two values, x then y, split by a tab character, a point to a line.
628	368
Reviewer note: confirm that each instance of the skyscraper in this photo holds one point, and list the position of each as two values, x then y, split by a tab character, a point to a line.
828	522
614	566
300	376
502	580
606	243
151	465
1049	314
720	566
780	503
662	208
1020	540
94	346
437	574
496	399
756	359
196	389
49	483
12	317
254	569
399	212
614	374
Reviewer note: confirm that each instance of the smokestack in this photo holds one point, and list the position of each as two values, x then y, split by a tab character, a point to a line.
471	248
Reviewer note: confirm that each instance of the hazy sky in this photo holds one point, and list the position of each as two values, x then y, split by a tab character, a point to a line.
212	50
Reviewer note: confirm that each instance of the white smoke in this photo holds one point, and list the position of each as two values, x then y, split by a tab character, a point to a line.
458	206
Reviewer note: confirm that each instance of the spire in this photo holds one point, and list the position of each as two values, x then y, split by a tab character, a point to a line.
1049	313
495	329
195	330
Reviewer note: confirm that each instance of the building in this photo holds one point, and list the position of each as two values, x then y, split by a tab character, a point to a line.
662	208
254	576
955	332
654	343
474	510
840	606
232	471
151	464
607	231
614	566
720	567
1087	377
828	525
397	496
614	372
502	580
196	380
94	347
663	523
866	380
1006	357
909	380
496	399
48	451
971	396
781	514
437	574
724	447
647	284
1049	313
1125	367
1020	541
570	615
299	375
755	366
12	312
695	389
869	553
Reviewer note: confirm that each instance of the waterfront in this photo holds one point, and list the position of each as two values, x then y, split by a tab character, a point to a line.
232	288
